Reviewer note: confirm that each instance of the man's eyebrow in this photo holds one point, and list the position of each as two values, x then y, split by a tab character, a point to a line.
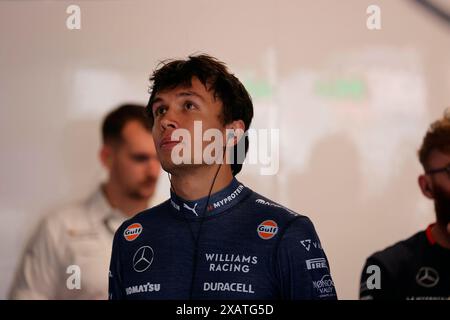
190	93
158	99
140	155
181	94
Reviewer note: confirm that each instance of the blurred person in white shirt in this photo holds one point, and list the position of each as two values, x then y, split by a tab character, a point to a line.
68	255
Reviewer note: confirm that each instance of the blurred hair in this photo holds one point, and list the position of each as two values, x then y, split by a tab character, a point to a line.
436	138
116	120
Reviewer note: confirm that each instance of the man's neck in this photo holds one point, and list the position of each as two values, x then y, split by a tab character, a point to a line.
196	183
441	234
120	201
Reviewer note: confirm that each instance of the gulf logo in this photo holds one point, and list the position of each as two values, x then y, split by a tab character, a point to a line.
132	231
267	229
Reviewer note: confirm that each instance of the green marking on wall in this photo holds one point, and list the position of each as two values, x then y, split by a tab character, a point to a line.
258	89
352	89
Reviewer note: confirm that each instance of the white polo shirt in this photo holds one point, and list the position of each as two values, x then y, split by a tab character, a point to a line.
68	256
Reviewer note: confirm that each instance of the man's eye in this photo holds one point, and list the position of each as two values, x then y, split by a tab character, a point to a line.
140	158
160	111
189	105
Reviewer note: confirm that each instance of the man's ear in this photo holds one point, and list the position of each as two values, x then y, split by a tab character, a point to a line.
106	156
234	132
426	186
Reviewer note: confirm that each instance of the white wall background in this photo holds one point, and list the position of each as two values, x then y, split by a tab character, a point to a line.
352	106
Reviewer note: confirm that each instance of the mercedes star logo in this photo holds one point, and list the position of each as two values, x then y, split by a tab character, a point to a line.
427	277
143	259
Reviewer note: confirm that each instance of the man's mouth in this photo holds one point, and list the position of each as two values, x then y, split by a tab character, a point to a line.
148	183
168	143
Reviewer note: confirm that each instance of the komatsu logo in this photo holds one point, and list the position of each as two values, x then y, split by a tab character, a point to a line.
148	287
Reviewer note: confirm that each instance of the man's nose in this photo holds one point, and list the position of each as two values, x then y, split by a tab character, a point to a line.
169	121
153	167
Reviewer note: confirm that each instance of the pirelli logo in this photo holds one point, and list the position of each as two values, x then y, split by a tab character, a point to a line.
318	263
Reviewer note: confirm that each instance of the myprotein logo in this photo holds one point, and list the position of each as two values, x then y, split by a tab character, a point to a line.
318	263
267	229
133	231
227	199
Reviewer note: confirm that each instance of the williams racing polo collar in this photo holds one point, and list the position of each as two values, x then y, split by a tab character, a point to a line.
218	202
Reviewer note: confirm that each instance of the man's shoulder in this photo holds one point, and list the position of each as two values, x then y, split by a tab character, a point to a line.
72	213
148	215
261	203
56	225
80	209
400	252
291	222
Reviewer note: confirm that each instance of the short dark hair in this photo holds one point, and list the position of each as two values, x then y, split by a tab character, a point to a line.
214	75
116	120
436	138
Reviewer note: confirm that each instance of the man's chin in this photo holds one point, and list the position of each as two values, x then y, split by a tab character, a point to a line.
442	207
172	168
443	219
142	195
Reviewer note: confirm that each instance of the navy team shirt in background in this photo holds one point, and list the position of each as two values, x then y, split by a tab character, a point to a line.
417	268
248	248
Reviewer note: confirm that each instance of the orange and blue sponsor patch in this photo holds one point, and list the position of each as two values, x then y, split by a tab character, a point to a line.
132	231
267	229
